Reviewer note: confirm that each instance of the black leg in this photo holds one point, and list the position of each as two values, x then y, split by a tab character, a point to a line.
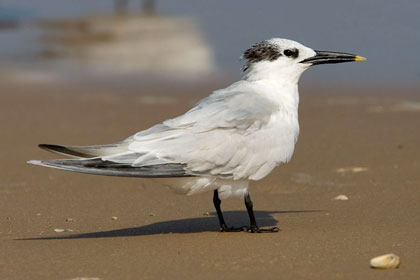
248	203
223	227
254	227
249	208
217	202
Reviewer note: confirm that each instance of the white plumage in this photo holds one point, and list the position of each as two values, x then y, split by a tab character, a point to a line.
236	134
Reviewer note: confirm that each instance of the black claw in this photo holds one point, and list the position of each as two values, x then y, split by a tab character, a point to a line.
249	229
264	230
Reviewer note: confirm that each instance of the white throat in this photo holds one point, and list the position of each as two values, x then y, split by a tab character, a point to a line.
280	84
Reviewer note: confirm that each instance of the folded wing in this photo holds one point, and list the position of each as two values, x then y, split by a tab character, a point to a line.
226	135
102	167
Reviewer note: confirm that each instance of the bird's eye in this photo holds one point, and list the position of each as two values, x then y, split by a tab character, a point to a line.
291	53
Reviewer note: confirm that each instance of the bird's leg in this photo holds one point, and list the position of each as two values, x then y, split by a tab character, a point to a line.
248	203
254	227
223	226
217	202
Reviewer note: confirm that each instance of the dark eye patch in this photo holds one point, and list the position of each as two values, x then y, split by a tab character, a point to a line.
291	53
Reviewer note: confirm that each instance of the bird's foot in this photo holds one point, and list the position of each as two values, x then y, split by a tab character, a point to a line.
254	229
251	229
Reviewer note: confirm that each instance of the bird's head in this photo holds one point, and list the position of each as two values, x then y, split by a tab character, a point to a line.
281	57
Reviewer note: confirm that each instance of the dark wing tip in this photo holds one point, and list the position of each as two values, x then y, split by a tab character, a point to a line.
63	150
102	167
47	146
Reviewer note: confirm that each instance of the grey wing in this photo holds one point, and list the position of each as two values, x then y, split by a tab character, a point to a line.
98	166
212	139
87	151
221	137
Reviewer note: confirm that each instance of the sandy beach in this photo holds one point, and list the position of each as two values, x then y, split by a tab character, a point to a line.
359	142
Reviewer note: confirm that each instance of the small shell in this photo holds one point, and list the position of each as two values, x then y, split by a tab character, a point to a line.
356	169
385	261
341	197
114	218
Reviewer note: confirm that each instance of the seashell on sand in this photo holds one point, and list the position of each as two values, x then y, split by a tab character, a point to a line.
341	197
346	170
385	261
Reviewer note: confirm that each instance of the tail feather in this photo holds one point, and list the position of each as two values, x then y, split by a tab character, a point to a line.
86	151
102	167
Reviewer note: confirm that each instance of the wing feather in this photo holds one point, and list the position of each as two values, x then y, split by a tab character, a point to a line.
100	167
221	137
230	134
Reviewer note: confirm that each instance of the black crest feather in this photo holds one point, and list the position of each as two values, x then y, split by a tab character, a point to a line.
261	51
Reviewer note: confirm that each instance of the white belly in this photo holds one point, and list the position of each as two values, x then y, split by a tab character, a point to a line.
194	185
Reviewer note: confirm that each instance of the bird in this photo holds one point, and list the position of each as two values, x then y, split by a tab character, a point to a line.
235	135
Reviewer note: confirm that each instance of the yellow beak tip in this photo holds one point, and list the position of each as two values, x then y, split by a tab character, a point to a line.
359	58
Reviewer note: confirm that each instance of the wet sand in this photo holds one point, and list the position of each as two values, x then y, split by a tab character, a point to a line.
160	235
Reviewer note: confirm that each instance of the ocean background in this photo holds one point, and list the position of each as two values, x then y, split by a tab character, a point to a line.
386	32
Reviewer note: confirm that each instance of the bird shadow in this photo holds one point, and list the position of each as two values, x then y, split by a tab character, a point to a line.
192	225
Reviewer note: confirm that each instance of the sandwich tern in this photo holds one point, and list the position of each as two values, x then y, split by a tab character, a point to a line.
236	134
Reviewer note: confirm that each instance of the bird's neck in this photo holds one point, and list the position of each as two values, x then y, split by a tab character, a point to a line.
280	74
281	88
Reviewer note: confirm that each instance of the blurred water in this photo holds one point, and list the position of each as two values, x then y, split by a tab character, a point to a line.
386	32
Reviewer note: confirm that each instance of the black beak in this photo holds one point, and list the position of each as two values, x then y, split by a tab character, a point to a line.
332	57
